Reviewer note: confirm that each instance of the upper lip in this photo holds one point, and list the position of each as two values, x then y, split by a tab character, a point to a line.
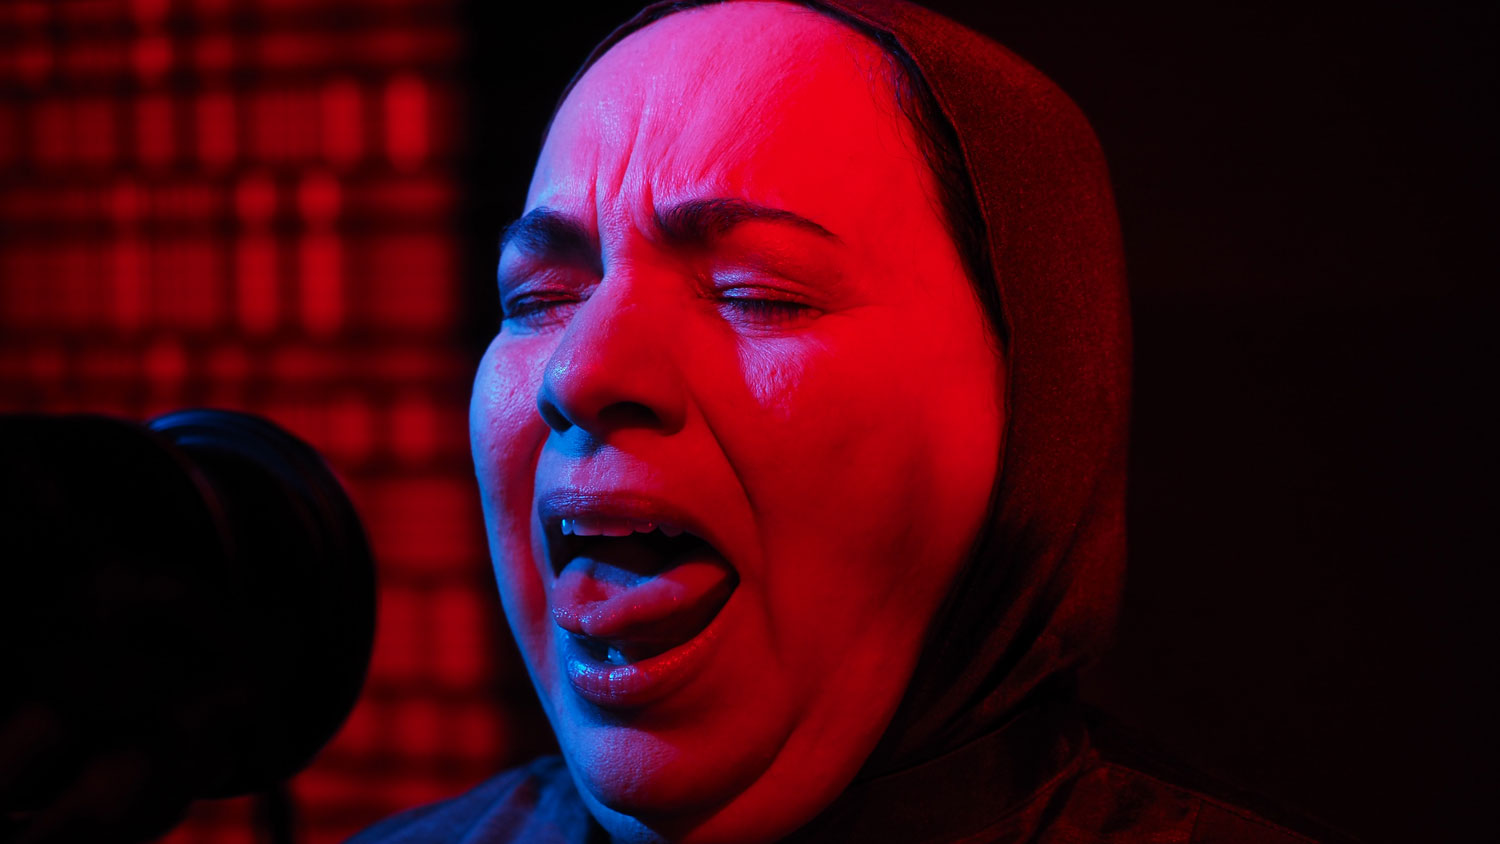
571	503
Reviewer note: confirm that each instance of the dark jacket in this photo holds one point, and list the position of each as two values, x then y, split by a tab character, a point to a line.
1038	780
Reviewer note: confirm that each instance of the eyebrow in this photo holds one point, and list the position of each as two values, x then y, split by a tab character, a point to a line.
545	231
701	220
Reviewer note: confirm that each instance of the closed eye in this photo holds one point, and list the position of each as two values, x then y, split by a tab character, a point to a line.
537	311
751	307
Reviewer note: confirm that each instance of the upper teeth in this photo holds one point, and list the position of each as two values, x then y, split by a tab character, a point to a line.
598	526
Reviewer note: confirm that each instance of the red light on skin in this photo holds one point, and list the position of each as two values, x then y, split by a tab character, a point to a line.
342	123
406	117
786	354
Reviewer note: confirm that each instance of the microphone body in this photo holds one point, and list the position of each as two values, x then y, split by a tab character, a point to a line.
187	609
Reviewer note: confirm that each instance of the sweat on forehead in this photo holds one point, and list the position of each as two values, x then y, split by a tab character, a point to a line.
775	71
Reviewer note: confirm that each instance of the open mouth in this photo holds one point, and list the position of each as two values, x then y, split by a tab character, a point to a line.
629	589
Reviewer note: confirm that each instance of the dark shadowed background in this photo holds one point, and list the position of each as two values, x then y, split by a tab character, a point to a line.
1307	193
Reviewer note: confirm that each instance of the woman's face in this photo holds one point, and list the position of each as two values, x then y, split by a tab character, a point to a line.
731	311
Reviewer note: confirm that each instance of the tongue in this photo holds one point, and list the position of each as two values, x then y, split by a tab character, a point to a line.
604	595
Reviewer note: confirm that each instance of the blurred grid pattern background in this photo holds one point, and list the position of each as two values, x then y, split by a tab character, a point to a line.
252	204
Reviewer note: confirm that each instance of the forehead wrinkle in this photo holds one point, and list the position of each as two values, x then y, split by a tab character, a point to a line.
640	109
676	76
560	180
618	119
682	149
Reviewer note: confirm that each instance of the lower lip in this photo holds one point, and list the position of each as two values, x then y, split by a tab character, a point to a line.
638	683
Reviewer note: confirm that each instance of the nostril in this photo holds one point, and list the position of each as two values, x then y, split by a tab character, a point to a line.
629	414
553	417
622	414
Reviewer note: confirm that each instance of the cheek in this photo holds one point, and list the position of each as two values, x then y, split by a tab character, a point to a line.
869	458
802	443
506	434
505	428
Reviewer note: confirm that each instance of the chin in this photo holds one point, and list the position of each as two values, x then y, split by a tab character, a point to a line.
631	825
670	780
708	780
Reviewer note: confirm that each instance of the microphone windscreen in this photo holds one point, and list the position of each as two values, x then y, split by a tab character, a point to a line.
299	560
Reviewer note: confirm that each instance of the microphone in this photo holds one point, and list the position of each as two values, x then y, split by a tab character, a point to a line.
187	609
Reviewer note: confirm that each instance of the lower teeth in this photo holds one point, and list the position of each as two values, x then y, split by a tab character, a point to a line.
610	654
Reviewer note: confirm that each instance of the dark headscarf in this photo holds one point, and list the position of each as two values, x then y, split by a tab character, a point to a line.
1040	593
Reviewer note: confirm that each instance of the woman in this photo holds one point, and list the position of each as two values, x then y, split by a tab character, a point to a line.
801	445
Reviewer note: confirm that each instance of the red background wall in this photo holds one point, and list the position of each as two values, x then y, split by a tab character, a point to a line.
254	205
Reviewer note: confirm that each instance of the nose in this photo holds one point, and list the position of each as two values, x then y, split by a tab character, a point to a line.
615	367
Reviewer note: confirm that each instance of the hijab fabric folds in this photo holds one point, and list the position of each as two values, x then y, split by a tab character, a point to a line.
1040	594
